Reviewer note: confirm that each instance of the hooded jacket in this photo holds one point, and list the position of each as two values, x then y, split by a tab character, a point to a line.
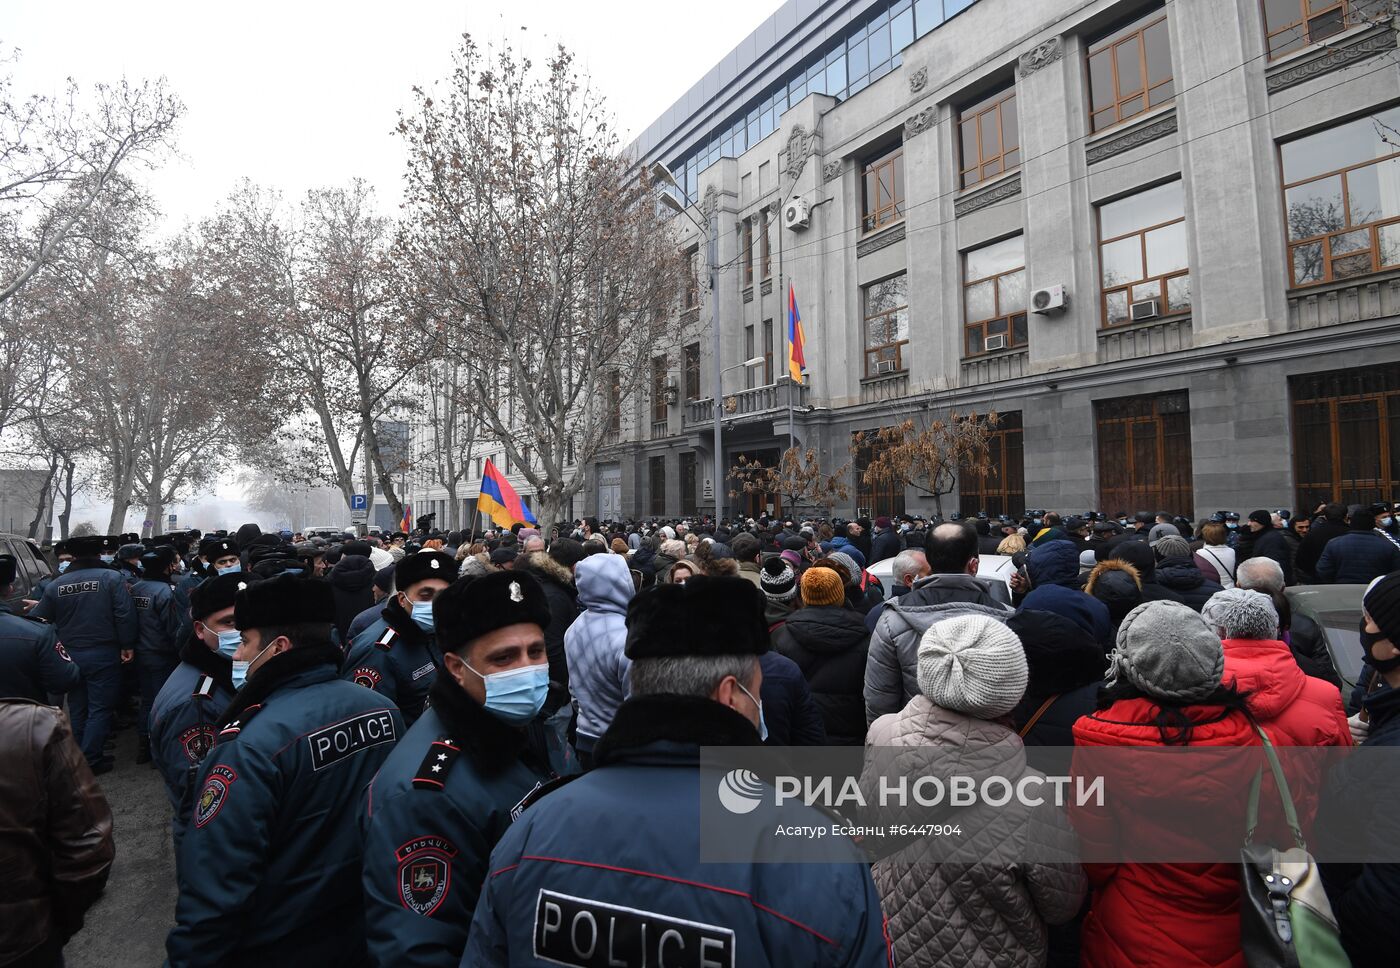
978	905
595	641
891	668
1139	554
1180	574
352	582
1164	915
830	645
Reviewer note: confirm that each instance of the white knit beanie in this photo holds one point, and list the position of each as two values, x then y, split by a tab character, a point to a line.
972	664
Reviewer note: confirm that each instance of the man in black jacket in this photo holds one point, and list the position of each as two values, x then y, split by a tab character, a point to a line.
1268	542
1361	554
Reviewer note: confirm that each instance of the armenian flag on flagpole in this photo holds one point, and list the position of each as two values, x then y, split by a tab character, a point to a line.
796	339
406	525
499	502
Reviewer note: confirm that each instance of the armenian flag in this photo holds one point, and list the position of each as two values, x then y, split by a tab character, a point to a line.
406	525
796	339
499	502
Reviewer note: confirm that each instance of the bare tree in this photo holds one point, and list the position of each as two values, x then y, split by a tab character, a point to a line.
59	156
799	480
453	429
531	237
932	456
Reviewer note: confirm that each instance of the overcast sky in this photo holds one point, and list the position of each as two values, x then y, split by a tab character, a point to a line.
304	93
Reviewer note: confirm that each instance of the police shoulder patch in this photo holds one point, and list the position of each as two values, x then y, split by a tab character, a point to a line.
211	798
232	730
432	774
62	652
386	641
197	741
425	873
367	677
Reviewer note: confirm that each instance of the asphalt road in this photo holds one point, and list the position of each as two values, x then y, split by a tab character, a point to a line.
127	927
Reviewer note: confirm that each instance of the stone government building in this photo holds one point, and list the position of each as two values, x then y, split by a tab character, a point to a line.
1214	183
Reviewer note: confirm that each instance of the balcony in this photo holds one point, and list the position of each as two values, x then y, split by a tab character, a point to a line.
745	405
660	429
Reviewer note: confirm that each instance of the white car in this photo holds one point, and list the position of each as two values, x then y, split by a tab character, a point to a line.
999	567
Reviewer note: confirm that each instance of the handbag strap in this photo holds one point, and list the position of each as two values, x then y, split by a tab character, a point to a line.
1035	718
1285	796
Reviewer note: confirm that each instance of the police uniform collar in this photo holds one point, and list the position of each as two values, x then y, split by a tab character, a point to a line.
402	623
491	743
215	665
683	723
279	671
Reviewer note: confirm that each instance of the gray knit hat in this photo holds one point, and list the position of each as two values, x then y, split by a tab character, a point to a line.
972	664
1239	614
1160	531
1168	652
1172	546
853	570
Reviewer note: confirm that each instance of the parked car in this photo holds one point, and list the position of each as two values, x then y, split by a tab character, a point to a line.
997	567
1337	611
32	568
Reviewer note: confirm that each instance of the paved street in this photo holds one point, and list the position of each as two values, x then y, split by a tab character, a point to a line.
127	928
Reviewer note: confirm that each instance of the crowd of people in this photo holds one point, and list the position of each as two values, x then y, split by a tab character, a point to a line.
447	748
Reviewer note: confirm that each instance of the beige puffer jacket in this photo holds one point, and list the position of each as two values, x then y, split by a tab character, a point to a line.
983	898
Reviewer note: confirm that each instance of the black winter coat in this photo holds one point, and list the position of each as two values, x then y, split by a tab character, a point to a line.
1181	575
885	545
1063	661
1357	557
1310	548
829	644
789	711
352	581
1270	543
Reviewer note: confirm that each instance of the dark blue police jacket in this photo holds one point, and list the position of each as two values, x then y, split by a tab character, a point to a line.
618	849
395	658
32	663
157	618
269	867
92	608
446	795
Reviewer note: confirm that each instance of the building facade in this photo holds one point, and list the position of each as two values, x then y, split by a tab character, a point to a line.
1202	195
1162	241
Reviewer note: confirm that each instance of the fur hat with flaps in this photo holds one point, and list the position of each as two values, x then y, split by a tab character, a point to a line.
412	569
282	601
707	616
473	606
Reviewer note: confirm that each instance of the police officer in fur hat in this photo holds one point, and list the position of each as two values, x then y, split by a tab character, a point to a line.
461	776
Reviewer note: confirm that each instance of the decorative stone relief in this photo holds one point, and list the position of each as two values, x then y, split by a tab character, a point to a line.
1131	139
1332	58
921	122
710	203
799	146
975	203
884	240
831	171
1038	56
918	80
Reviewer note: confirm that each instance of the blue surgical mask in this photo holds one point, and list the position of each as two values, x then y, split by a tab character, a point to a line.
229	642
63	566
423	615
1386	522
762	725
240	673
107	559
1232	525
517	695
231	569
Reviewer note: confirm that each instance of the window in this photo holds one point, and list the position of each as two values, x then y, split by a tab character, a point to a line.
1346	435
656	467
885	499
765	246
692	371
884	189
990	137
1294	24
767	352
886	325
1003	491
1130	71
746	247
689	503
1342	199
1142	253
994	296
750	348
1144	446
692	279
658	389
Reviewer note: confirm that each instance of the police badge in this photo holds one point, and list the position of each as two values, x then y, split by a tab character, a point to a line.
215	792
425	873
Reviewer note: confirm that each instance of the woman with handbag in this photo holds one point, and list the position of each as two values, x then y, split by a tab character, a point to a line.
1164	689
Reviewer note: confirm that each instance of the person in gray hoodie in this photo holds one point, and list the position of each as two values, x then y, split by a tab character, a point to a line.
594	644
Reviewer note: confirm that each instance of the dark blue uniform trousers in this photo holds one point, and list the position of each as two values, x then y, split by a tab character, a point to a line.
92	704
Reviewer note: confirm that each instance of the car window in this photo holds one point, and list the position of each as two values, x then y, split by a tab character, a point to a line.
38	566
1343	631
22	580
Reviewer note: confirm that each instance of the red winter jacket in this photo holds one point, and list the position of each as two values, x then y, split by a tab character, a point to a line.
1293	708
1172	915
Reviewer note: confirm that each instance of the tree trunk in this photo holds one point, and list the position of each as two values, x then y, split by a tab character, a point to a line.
374	467
44	495
454	507
67	513
550	509
117	521
155	510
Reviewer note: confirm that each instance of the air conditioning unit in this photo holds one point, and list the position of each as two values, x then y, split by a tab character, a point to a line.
997	342
1051	300
884	366
797	215
1145	309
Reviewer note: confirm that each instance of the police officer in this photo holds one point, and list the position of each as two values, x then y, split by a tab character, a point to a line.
269	864
96	620
617	849
129	561
196	693
224	558
458	779
158	645
64	557
32	663
397	655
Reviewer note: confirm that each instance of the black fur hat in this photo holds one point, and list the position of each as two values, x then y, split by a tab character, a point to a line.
217	594
708	615
284	600
412	569
474	606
